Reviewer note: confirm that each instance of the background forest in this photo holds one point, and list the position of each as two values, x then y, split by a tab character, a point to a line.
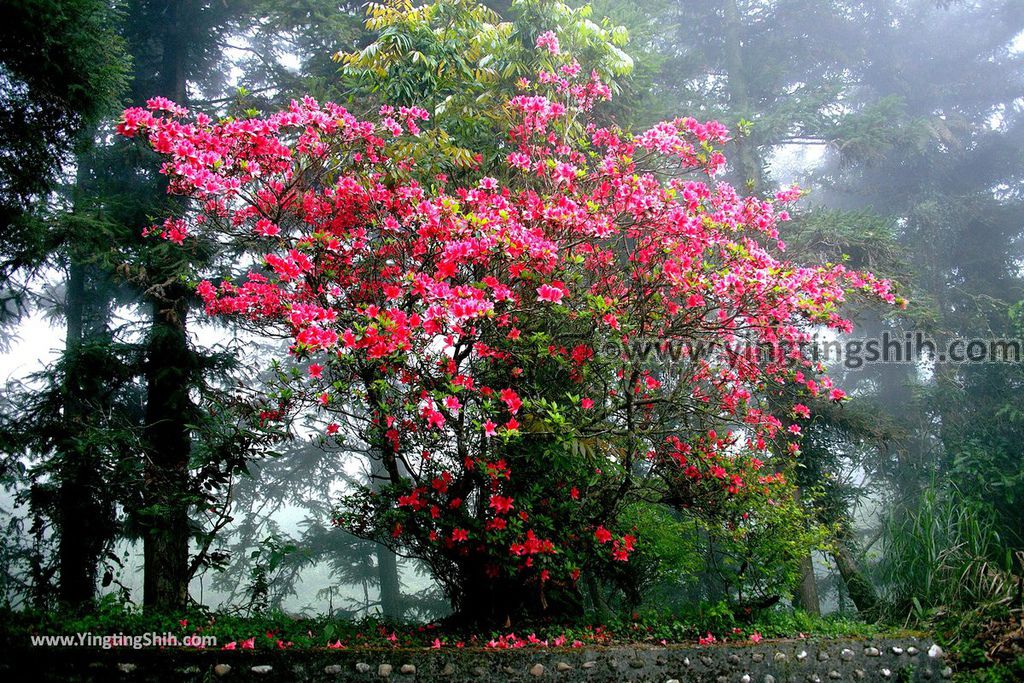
125	434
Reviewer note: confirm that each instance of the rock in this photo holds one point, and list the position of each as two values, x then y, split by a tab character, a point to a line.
859	674
448	670
834	675
872	652
332	669
813	678
261	669
672	680
362	667
912	651
408	669
686	661
722	679
822	656
886	673
707	661
780	656
802	656
384	670
589	665
222	669
734	658
897	650
126	667
768	678
563	666
745	678
935	652
758	657
537	670
946	673
846	655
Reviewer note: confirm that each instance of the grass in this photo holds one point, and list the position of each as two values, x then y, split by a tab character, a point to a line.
275	630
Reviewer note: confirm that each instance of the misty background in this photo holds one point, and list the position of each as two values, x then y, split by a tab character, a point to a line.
903	118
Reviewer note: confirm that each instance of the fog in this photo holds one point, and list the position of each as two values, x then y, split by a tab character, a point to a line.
902	119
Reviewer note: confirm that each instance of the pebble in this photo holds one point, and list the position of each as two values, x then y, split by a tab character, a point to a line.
126	667
886	673
362	667
384	670
563	666
872	652
408	669
846	655
332	669
222	669
537	670
935	652
261	669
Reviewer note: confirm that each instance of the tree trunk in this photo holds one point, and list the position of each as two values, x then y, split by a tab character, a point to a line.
807	597
84	515
484	602
862	593
77	554
601	610
387	563
168	411
748	164
390	586
170	374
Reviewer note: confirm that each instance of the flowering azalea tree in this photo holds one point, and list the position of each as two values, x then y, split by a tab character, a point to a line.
479	340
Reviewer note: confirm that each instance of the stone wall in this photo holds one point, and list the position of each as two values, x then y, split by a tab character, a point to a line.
796	661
